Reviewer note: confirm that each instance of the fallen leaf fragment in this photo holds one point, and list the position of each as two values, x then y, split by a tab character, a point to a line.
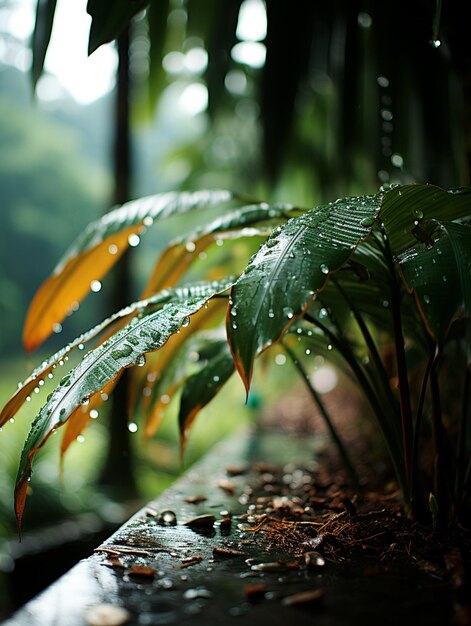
141	571
255	591
228	552
312	597
191	560
236	470
195	499
107	615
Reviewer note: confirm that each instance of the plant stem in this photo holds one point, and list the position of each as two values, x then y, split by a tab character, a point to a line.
378	363
461	444
391	438
328	420
416	500
442	465
401	363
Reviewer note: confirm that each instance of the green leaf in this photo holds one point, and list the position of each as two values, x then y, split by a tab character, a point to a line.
110	18
293	264
127	347
45	10
98	248
200	388
407	208
440	276
45	368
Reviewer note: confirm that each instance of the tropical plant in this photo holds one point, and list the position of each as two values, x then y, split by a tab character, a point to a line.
344	280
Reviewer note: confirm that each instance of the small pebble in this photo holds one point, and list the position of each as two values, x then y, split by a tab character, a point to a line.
314	560
107	615
201	522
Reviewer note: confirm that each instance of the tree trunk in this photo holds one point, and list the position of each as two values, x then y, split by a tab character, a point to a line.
118	471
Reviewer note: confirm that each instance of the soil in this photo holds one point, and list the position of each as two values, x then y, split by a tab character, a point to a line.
315	515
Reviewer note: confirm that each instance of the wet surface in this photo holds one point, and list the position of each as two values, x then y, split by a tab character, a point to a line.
213	571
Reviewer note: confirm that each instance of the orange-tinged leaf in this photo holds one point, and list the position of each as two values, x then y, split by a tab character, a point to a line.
156	414
247	221
98	248
173	263
147	333
57	295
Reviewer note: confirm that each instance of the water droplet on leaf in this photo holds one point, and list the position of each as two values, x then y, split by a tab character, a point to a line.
141	360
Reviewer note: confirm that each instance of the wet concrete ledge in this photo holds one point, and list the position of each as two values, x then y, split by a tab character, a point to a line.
153	571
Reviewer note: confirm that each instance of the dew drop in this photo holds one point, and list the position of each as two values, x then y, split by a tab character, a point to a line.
444	278
234	325
324	268
216	379
426	299
95	286
307	351
85	401
141	360
167	518
132	427
93	414
288	311
12	420
185	322
36	390
80	346
271	313
190	246
234	312
113	248
364	20
80	438
148	220
385	303
382	81
397	160
123	352
57	328
134	240
329	346
280	359
165	398
435	43
367	221
323	313
219	242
